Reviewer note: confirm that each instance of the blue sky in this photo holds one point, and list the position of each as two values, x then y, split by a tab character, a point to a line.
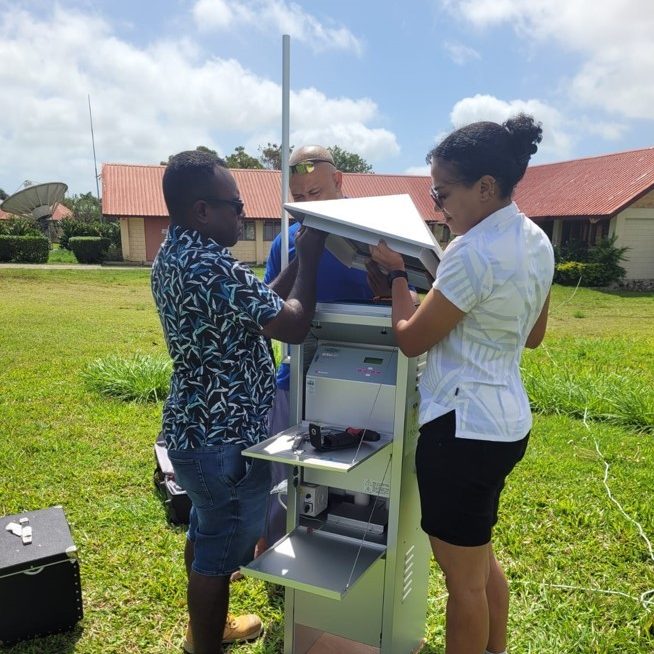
383	79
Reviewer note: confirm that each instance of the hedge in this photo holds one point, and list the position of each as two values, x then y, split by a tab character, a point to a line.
71	228
24	249
89	249
570	273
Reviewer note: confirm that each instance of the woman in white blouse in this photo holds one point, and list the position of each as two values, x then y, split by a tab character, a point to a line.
488	302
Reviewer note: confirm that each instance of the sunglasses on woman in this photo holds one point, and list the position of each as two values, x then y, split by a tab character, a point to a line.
433	192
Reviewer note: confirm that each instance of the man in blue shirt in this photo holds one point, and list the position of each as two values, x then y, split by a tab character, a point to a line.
313	176
216	316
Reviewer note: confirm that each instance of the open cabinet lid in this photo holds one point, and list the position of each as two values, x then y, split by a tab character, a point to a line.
355	223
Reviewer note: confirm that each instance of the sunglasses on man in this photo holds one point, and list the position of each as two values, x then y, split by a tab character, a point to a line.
237	204
306	167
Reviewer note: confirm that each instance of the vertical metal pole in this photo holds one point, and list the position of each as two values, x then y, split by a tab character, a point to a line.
95	163
291	518
286	106
286	83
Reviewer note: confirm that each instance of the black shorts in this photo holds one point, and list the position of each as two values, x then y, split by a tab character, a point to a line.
460	481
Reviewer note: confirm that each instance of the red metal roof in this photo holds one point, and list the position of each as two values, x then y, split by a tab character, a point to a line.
594	186
134	190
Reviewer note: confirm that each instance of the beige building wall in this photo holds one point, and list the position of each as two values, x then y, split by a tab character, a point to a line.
255	252
646	202
124	238
132	238
245	251
634	229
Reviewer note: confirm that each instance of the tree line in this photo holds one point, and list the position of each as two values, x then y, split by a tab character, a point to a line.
270	157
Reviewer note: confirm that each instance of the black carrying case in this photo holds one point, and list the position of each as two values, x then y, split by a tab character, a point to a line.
175	499
40	590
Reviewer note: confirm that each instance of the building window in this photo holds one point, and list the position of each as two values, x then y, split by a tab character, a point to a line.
270	229
248	230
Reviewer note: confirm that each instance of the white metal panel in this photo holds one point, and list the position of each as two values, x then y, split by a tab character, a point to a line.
354	224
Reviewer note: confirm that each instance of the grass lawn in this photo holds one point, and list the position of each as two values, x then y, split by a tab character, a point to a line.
576	564
60	255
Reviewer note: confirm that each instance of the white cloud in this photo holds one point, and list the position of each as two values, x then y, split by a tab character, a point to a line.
613	36
148	102
278	16
419	171
557	141
460	54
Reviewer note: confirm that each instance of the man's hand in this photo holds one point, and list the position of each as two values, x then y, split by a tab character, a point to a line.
385	257
309	243
377	280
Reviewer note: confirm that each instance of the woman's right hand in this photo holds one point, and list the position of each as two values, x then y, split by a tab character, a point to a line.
385	257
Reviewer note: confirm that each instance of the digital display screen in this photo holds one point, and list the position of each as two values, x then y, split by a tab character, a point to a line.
374	360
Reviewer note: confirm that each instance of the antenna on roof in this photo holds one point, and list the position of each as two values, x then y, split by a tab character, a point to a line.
95	163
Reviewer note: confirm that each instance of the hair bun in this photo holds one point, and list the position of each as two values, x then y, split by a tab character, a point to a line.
525	135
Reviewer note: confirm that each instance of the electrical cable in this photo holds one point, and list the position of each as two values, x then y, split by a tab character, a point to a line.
363	538
647	597
560	304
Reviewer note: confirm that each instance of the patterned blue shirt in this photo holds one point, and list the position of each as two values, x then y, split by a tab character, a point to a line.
212	309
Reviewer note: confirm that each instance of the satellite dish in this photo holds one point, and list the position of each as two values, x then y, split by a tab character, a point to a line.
36	200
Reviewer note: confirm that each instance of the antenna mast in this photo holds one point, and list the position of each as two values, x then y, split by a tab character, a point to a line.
95	163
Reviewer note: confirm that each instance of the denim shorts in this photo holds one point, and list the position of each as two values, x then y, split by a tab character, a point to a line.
228	493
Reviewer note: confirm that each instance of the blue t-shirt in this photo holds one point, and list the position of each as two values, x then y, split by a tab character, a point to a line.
212	309
336	283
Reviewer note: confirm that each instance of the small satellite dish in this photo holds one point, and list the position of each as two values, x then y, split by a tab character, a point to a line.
36	200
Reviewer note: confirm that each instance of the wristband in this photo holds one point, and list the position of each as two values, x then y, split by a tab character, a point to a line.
394	274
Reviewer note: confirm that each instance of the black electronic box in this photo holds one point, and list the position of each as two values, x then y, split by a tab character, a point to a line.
40	590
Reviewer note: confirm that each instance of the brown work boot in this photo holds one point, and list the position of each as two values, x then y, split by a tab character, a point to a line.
237	628
242	627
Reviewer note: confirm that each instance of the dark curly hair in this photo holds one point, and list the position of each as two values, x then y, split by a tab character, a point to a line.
188	177
485	148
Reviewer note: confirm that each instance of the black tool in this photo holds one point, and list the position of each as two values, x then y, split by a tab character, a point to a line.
351	437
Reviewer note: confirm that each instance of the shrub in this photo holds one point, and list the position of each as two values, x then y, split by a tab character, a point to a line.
70	228
608	256
575	259
18	226
571	251
24	249
89	249
572	273
139	378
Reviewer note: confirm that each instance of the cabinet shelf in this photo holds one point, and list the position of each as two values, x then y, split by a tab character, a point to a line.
280	448
315	561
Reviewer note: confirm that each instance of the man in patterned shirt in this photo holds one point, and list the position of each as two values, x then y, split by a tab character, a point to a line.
216	316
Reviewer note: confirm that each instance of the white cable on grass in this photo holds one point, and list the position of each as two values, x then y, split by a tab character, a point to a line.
560	304
646	598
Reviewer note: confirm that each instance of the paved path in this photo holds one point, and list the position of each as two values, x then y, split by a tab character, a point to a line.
69	266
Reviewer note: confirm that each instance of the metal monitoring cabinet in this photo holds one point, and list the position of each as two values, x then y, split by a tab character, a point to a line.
354	561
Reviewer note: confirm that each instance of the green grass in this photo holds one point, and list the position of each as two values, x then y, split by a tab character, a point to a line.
138	378
64	443
59	255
